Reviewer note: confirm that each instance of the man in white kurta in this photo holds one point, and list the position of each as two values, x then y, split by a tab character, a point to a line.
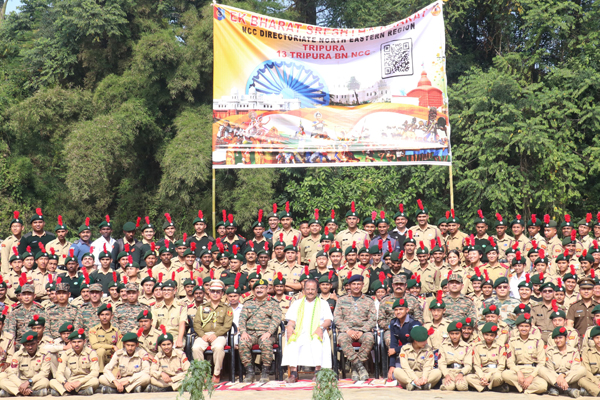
307	339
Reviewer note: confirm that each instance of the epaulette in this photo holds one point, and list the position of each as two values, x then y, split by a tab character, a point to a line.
288	297
191	305
180	269
246	295
16	305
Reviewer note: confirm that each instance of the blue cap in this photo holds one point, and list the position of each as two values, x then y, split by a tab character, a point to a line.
355	278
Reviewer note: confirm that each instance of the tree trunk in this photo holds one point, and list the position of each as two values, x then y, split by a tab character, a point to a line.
307	10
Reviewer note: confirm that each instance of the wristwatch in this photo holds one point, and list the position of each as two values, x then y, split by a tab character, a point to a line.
30	381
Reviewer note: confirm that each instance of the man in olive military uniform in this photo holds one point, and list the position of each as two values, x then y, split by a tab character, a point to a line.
28	371
105	338
78	368
23	313
259	321
125	314
133	368
60	312
355	316
87	315
580	314
211	324
7	343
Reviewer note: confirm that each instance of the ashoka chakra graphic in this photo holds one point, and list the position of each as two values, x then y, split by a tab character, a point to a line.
291	80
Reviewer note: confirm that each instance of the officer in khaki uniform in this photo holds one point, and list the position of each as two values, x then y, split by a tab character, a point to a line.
416	361
171	315
456	360
169	367
211	324
525	358
105	338
489	360
423	231
76	365
591	363
455	238
133	368
563	367
28	365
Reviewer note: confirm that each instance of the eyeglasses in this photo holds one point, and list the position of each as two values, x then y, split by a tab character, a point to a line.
548	291
215	291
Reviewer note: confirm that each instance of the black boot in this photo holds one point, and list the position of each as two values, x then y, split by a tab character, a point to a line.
249	378
264	376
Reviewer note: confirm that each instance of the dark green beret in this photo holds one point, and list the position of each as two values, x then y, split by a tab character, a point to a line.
104	307
66	327
163	337
28	337
559	331
419	333
130	337
37	321
129	227
489	327
521	308
492	309
524	318
595	332
79	334
260	282
500	281
145	314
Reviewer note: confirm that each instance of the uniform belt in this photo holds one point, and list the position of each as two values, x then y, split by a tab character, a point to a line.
455	365
528	365
429	294
492	365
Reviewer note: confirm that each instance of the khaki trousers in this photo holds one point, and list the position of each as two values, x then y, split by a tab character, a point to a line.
495	380
217	347
104	356
93	383
433	378
591	385
572	377
161	384
11	384
538	385
454	385
142	380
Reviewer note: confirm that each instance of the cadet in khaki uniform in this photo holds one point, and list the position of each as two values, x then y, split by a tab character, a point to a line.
489	360
30	367
591	363
456	360
423	231
416	363
437	329
559	319
149	336
105	338
211	324
310	245
78	369
456	238
524	359
352	234
169	367
563	367
289	233
492	315
133	372
430	276
10	242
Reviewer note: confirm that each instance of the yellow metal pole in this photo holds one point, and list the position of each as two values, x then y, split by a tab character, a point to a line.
215	205
451	189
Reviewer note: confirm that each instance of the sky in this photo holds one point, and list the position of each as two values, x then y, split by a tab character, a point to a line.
12	6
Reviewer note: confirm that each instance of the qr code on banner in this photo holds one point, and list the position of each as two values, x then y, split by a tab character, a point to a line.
396	58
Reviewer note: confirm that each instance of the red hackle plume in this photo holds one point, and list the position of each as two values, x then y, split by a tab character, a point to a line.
480	213
137	222
420	204
317	214
352	207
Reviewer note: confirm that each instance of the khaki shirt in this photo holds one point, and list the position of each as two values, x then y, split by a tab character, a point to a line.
6	252
175	366
100	338
284	303
429	233
572	340
169	316
456	242
523	354
430	279
308	249
541	318
562	362
60	249
440	333
128	366
581	315
502	334
23	366
487	360
412	361
524	244
411	265
148	342
497	271
503	244
7	344
274	264
552	247
288	236
346	238
455	358
40	279
591	362
77	367
291	274
210	319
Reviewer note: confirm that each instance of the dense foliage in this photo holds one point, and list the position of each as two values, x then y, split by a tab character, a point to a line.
105	108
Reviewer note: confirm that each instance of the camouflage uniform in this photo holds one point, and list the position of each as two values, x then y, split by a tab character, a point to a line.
17	320
356	315
125	316
57	316
459	308
386	313
506	308
87	317
256	319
